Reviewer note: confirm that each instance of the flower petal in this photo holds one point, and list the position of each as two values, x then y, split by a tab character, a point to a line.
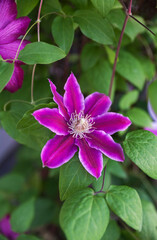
97	104
58	151
153	129
8	12
104	143
73	98
51	119
111	122
14	30
16	80
90	158
5	228
8	51
59	100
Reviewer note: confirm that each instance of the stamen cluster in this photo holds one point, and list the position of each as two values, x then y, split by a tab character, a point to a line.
79	125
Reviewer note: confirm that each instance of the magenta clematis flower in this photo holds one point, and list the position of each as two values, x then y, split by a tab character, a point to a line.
81	123
5	228
10	30
153	127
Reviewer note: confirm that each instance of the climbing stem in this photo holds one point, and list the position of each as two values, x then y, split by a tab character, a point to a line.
118	48
23	40
34	67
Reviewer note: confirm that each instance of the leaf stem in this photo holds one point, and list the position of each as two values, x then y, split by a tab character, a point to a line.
23	40
34	67
14	100
103	182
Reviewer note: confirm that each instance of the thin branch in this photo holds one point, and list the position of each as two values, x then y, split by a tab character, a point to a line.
118	48
128	229
123	4
23	40
116	57
103	181
142	24
34	67
38	20
32	84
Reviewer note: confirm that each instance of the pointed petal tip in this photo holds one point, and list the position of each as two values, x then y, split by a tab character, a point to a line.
128	121
34	114
97	175
58	151
72	74
73	98
90	158
52	86
49	80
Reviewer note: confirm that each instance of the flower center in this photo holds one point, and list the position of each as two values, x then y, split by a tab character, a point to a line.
79	125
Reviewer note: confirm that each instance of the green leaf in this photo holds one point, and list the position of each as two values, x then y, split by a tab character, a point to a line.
126	204
26	237
103	6
97	78
141	148
130	68
116	169
25	7
90	55
51	6
127	235
63	32
84	216
117	4
112	231
44	210
80	3
73	177
149	226
148	67
2	237
27	124
22	216
139	117
5	209
94	26
128	99
152	95
41	53
97	184
111	54
116	18
9	122
12	183
6	71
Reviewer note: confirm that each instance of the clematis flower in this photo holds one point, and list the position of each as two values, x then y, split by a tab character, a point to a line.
5	228
10	30
153	127
81	123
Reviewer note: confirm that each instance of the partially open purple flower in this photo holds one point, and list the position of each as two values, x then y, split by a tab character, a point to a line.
153	127
81	123
10	30
5	228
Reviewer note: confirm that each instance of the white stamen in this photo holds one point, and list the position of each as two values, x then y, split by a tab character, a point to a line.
79	125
